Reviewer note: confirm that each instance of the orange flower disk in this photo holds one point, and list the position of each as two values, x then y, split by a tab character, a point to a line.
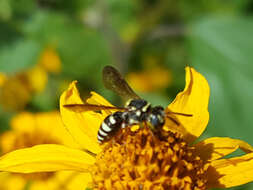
140	160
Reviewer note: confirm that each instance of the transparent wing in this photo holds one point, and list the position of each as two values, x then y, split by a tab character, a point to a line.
91	107
114	81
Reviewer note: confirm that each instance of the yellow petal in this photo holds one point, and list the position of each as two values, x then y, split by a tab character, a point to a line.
193	100
82	126
96	99
11	182
44	122
73	180
24	121
49	184
218	147
7	141
30	124
63	180
44	158
232	172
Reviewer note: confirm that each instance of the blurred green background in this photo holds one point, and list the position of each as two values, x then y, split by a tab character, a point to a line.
142	39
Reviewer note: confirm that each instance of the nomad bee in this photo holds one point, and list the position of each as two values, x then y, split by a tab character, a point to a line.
136	110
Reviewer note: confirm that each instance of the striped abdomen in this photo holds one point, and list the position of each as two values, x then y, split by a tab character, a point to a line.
110	126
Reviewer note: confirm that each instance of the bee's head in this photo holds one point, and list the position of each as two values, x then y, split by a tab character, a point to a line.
138	104
137	110
156	118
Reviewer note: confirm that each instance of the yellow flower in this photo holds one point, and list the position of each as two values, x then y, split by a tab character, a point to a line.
152	78
50	60
37	79
142	159
17	90
146	81
2	79
27	130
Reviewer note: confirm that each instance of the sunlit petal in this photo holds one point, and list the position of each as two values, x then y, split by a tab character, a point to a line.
230	172
193	100
218	147
82	126
42	158
99	100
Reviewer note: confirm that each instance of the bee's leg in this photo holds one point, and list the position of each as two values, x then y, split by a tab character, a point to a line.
89	152
143	124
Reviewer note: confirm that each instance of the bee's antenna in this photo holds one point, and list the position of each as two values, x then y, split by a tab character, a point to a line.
178	113
173	120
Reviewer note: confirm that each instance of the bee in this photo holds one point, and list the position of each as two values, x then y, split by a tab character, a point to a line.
135	111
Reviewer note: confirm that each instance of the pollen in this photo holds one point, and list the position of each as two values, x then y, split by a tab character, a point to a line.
144	160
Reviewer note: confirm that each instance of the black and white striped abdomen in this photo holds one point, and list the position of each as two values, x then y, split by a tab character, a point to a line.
111	124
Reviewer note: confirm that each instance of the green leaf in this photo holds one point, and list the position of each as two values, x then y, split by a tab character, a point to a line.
80	48
5	10
19	55
221	49
122	13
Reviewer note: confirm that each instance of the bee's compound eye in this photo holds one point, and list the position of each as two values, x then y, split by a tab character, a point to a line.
153	120
156	117
156	121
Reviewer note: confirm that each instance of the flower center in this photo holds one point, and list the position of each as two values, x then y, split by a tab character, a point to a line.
144	160
15	93
29	139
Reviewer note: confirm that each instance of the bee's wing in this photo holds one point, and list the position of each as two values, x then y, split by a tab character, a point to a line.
90	107
114	81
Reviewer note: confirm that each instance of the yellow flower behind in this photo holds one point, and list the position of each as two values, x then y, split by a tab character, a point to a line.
37	79
142	159
50	60
153	77
146	81
29	129
17	90
2	78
